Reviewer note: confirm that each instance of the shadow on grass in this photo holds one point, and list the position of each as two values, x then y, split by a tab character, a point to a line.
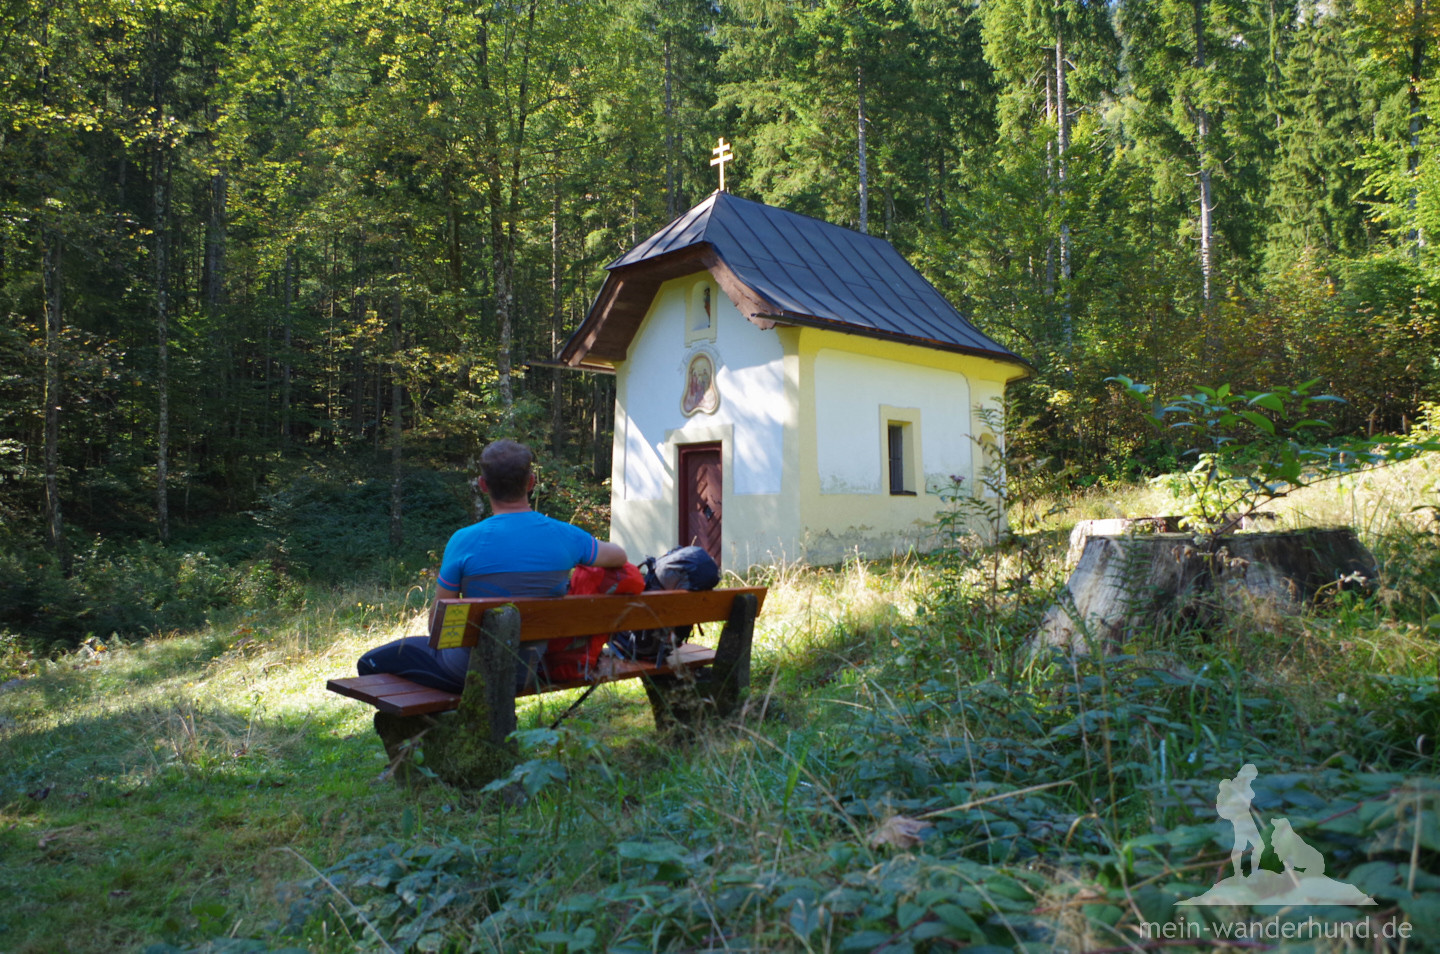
117	827
140	738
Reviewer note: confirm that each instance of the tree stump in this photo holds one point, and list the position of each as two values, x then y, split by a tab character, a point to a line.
1084	530
1123	586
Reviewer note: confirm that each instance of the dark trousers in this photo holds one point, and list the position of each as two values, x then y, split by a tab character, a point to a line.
442	669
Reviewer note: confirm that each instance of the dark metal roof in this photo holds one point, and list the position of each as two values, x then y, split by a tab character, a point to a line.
818	274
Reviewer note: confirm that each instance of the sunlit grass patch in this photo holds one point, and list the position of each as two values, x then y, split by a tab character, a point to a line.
1094	503
1373	501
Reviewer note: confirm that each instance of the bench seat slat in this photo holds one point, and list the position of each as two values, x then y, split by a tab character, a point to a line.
399	696
395	694
457	622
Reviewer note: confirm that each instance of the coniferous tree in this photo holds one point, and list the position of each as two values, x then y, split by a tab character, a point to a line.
1325	114
1192	68
828	93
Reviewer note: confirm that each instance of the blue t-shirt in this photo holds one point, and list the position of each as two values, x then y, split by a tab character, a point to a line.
515	554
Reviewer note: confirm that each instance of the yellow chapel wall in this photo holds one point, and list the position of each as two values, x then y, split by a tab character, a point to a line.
850	389
756	377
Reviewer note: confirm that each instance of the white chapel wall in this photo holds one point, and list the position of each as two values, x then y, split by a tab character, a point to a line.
750	421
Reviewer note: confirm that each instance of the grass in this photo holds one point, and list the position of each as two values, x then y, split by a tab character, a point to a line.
907	778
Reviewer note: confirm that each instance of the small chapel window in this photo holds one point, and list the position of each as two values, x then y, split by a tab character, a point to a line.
897	439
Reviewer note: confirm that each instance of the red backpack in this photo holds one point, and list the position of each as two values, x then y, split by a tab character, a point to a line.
570	659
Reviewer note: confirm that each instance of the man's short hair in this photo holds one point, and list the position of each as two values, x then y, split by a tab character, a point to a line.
505	465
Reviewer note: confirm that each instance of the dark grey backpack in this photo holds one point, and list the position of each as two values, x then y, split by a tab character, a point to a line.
683	568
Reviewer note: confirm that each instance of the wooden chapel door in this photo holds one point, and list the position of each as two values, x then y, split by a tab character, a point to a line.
700	495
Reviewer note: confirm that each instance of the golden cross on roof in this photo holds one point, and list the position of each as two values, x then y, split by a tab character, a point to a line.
722	155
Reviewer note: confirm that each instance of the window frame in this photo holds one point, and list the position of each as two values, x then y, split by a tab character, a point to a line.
906	422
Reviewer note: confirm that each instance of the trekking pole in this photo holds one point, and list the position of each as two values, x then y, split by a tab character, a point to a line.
573	706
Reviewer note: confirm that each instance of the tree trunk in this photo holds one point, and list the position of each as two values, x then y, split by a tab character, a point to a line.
397	432
54	329
502	260
499	267
454	254
1062	147
161	197
557	417
1202	145
215	246
1049	288
357	392
378	422
1207	213
597	430
50	256
860	148
1417	65
286	342
1146	586
504	210
672	208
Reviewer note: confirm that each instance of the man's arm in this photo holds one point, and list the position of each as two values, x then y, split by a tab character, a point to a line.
609	554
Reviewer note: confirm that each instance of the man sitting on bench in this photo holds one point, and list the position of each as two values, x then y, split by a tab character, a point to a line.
516	552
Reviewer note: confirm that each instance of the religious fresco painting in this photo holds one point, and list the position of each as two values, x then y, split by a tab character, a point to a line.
701	395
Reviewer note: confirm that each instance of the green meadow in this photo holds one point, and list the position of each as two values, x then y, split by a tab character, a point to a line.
907	776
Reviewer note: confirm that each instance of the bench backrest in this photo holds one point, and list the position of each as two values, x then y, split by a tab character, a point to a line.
457	622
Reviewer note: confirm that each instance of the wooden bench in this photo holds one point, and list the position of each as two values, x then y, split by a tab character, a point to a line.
464	737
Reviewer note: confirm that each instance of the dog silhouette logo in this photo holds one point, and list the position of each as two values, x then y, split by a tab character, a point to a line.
1302	880
1294	853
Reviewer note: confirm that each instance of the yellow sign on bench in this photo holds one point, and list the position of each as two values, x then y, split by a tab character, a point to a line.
452	626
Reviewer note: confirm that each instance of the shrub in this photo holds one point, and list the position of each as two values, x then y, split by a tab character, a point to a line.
1255	447
334	525
133	589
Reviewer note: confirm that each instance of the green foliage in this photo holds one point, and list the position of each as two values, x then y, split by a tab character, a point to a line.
985	526
997	783
333	523
131	590
921	779
354	198
550	749
1254	447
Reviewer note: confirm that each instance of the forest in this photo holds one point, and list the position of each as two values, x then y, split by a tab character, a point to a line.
274	272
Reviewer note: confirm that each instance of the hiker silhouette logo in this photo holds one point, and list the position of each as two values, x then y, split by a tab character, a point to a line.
1302	880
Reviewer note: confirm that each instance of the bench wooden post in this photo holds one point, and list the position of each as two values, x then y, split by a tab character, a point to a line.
471	745
679	700
481	749
731	672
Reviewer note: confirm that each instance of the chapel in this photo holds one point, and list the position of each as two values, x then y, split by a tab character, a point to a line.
786	389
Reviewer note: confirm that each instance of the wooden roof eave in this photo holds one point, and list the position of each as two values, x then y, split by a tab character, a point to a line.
604	337
598	367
